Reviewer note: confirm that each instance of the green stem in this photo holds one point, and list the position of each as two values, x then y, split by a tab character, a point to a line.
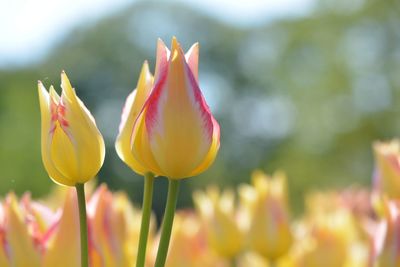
146	212
173	189
272	263
233	262
80	191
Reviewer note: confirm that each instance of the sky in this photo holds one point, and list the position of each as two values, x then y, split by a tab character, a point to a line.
29	28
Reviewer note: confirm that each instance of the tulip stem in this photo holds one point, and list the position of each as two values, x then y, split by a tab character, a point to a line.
80	191
146	212
173	189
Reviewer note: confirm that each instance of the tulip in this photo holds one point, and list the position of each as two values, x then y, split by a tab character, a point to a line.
386	237
387	168
329	235
175	134
221	221
188	243
114	227
63	236
72	147
266	202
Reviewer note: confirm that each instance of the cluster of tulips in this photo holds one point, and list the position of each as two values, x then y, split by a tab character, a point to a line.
168	130
249	226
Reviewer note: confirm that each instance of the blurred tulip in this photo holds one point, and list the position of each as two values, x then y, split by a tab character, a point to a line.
72	146
189	244
386	236
114	229
133	106
329	235
387	168
32	235
175	134
266	203
222	225
63	237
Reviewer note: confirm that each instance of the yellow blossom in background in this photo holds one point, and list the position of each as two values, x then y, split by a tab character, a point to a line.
329	235
189	244
265	201
387	168
222	225
72	146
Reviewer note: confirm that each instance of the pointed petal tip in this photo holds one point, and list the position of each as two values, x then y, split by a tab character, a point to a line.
175	44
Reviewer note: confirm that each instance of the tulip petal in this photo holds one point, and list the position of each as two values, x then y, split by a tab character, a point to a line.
67	232
82	129
178	120
54	173
133	105
22	251
163	54
192	59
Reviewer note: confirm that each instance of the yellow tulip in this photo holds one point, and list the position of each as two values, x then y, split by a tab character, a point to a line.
266	202
23	231
188	243
387	172
72	146
222	225
175	134
133	105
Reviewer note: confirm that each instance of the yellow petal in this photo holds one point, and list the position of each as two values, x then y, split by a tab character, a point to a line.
132	108
46	135
21	248
82	130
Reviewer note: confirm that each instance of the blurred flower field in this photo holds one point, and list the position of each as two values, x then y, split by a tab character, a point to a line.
250	225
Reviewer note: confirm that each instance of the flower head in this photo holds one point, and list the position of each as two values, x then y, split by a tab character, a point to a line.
266	202
175	134
72	146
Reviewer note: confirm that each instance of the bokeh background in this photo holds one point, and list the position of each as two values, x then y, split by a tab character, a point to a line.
303	86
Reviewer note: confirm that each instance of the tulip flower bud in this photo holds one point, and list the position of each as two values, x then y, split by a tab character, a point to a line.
387	172
72	146
224	232
175	134
266	202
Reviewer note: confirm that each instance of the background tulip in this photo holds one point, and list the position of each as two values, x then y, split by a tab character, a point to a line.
269	231
387	168
221	222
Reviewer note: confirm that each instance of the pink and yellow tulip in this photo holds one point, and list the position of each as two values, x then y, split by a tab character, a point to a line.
175	134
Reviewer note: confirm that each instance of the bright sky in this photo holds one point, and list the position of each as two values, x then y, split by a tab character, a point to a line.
28	28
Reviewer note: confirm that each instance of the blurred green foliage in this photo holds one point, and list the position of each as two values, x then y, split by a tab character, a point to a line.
307	95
